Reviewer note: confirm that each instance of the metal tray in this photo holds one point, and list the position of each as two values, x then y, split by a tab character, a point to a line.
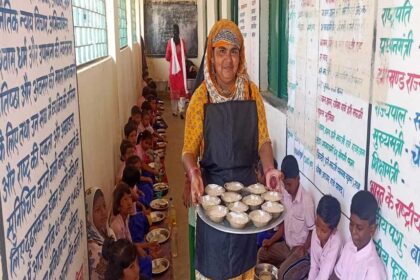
248	229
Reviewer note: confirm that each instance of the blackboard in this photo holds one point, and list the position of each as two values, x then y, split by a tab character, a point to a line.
159	18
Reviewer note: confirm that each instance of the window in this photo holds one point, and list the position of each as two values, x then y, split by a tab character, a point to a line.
278	48
133	21
89	30
122	12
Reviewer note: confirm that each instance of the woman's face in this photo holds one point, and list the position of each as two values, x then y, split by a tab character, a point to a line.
132	272
99	213
226	63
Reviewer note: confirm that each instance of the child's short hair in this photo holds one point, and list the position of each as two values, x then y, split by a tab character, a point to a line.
151	97
129	127
145	135
146	106
125	145
365	206
131	176
329	211
132	161
135	110
120	190
120	255
290	167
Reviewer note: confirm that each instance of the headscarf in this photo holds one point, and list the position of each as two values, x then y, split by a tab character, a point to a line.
92	232
222	33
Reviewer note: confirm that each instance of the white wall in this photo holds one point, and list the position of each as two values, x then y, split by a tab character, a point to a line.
107	90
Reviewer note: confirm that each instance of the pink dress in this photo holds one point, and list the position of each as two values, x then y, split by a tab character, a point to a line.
176	82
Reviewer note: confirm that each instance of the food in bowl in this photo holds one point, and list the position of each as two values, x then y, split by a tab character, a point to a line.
271	196
234	186
207	201
160	187
159	204
253	201
230	197
157	216
237	219
159	235
260	218
159	265
256	188
238	206
272	207
217	213
265	271
214	190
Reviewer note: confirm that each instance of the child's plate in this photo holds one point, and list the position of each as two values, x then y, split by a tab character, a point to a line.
159	266
159	204
159	235
157	216
158	187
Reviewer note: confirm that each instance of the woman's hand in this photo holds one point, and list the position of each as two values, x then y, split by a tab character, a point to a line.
197	187
273	177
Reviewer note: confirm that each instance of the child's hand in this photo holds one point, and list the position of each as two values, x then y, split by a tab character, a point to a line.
299	251
267	243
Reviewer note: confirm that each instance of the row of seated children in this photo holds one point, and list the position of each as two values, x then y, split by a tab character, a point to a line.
129	221
307	244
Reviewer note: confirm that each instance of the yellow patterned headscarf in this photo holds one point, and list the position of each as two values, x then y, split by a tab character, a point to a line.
225	32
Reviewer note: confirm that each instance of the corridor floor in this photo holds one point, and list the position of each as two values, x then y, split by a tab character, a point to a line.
175	173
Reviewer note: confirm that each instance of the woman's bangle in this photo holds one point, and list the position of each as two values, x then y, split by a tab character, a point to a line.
192	170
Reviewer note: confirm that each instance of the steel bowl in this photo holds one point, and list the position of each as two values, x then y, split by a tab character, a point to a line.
160	265
230	197
214	190
234	186
217	213
237	219
272	207
253	201
207	201
159	235
260	218
256	189
265	271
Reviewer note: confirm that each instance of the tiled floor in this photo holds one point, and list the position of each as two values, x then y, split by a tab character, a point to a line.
175	173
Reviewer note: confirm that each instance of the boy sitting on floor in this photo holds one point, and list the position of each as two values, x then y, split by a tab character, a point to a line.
291	255
359	259
326	241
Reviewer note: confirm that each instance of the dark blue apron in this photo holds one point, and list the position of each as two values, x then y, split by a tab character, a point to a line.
230	154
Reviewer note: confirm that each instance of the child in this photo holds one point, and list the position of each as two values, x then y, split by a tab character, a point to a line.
122	260
359	259
326	242
144	147
146	183
145	122
130	132
126	150
122	207
291	255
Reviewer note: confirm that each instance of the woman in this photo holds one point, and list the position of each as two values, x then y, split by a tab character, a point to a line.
226	128
122	260
176	54
97	230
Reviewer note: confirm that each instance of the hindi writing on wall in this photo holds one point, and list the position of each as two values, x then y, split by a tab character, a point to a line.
41	182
